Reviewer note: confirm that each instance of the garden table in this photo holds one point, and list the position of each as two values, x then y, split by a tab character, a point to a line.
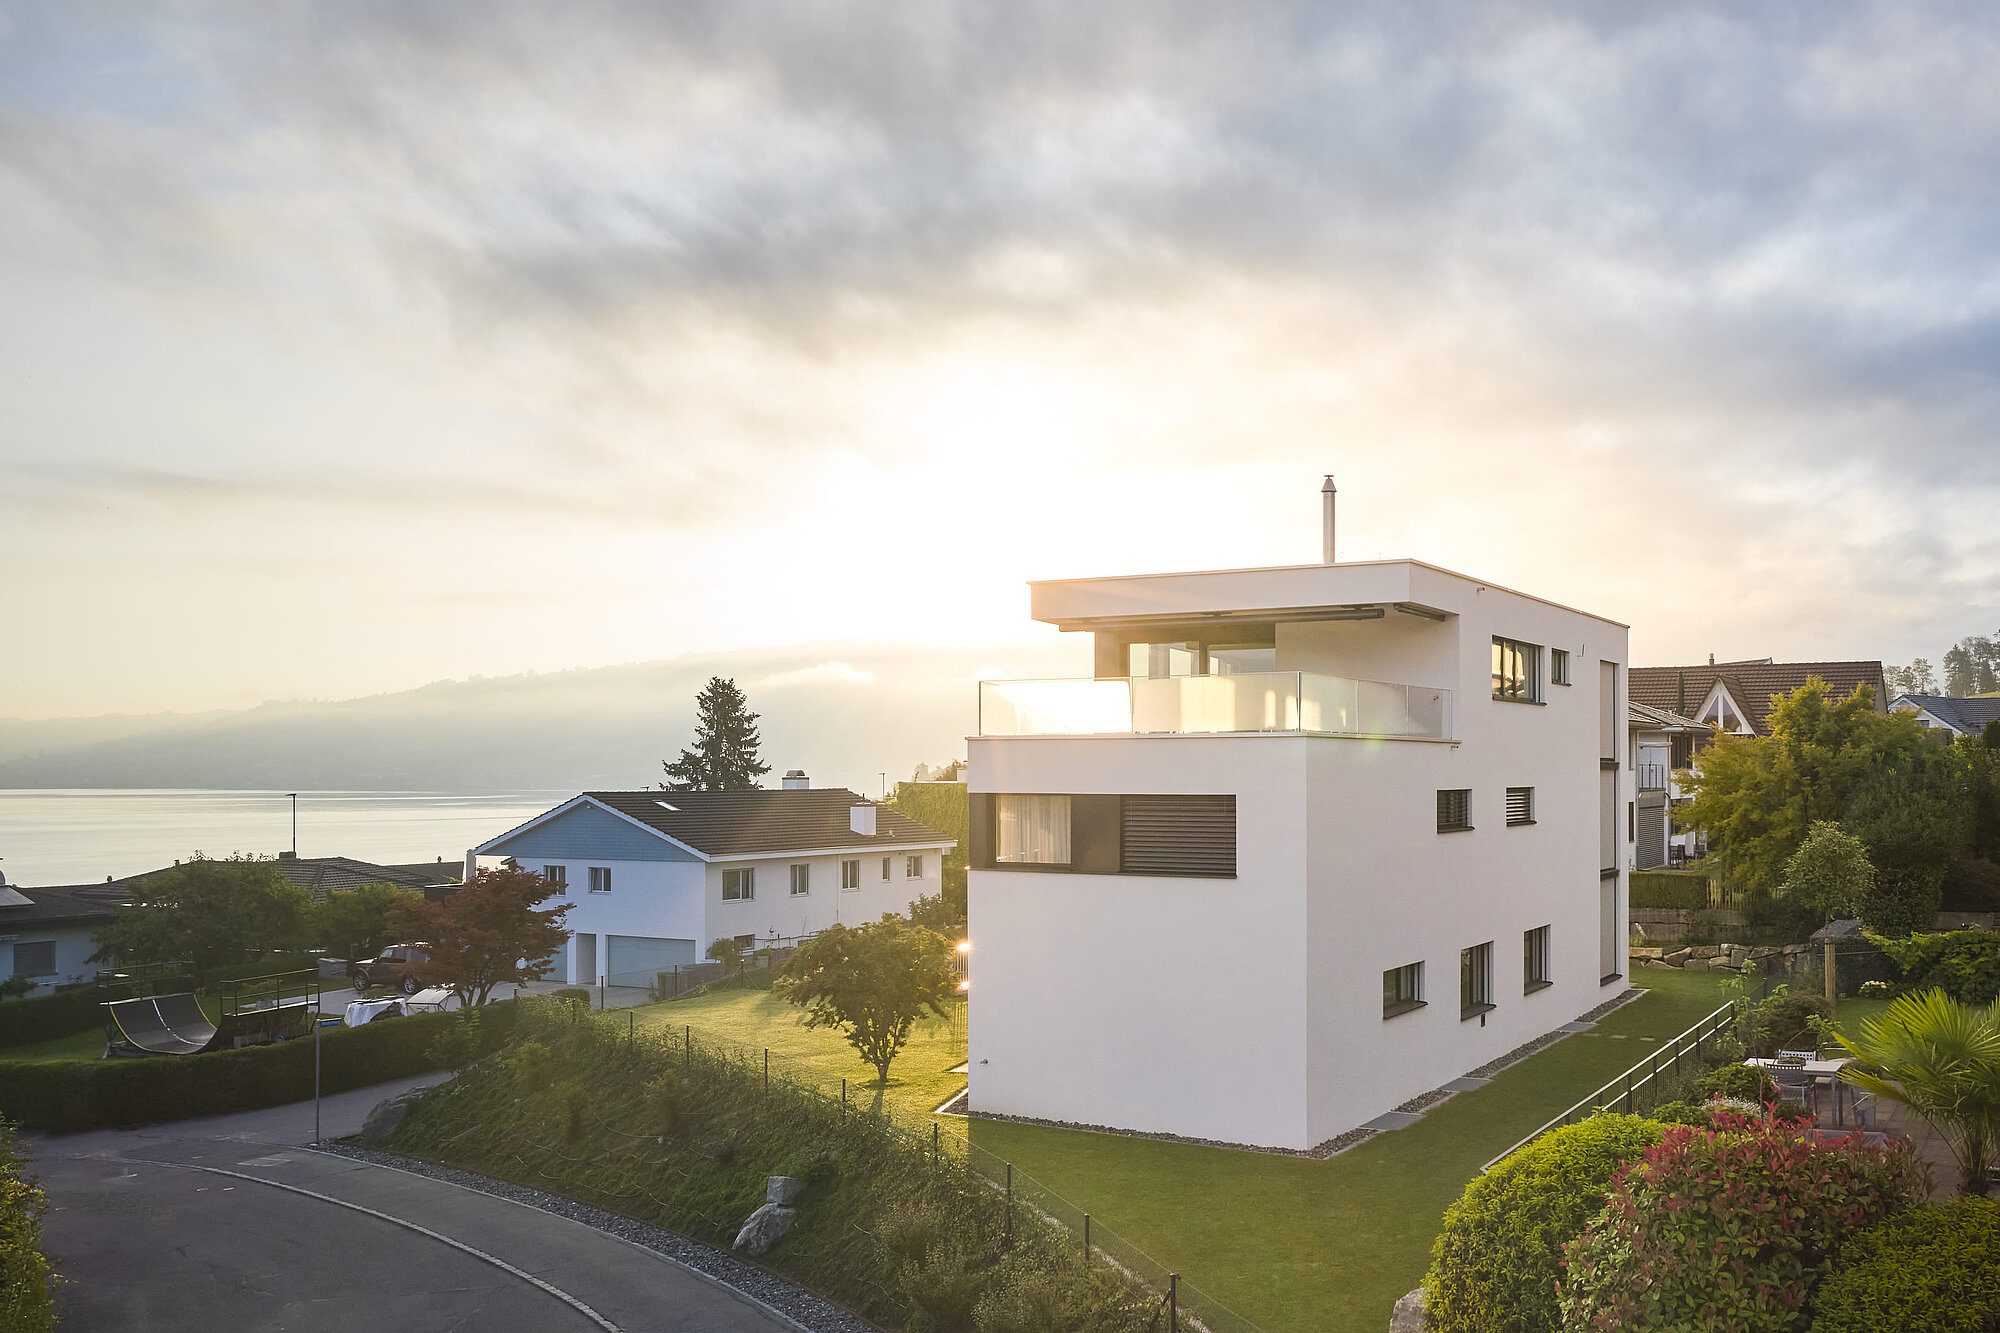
1818	1070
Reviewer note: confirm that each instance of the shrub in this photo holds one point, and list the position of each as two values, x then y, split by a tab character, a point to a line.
460	1043
1937	1269
669	1101
1784	1020
1495	1263
1750	1082
575	1102
1964	964
1729	1228
26	1303
45	1017
1702	1114
1661	888
575	994
67	1096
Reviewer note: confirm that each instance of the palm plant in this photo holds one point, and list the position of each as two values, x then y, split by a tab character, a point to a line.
1942	1060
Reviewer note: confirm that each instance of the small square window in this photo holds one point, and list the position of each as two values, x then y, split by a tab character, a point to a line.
739	885
1517	671
850	874
1558	666
556	877
1475	980
913	867
1455	810
801	879
600	879
1535	959
1402	989
1520	806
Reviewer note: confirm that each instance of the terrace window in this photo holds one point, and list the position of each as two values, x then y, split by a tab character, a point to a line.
1031	830
1475	980
1517	671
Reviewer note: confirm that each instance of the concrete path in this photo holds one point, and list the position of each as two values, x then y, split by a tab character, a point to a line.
232	1223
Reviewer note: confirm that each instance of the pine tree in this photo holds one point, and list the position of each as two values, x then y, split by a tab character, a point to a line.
724	757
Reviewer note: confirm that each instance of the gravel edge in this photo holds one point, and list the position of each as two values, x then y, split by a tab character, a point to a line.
783	1297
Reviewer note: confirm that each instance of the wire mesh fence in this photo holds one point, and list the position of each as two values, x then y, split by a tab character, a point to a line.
1027	1208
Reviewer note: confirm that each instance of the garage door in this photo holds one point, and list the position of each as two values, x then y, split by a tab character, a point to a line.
635	960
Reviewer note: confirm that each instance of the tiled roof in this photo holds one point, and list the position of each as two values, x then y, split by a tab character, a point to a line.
320	875
1968	717
1681	689
750	823
78	903
1661	719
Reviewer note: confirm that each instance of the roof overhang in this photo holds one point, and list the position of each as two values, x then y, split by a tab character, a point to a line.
486	848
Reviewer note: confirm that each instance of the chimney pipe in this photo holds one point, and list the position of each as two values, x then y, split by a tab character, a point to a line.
1326	495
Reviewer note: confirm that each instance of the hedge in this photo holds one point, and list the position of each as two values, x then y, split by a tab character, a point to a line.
1964	964
25	1301
68	1096
1663	888
24	1022
1936	1269
1495	1264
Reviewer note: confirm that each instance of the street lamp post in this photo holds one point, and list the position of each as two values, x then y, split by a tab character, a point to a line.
295	823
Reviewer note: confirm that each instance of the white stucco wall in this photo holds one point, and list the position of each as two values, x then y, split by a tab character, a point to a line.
73	949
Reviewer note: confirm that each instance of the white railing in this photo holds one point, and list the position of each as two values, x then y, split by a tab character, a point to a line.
1299	701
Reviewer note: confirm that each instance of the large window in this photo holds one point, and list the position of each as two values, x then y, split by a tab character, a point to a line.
556	877
600	879
1520	805
1177	835
1475	980
1517	671
801	880
35	959
1455	810
1535	959
739	885
1031	830
1402	989
850	874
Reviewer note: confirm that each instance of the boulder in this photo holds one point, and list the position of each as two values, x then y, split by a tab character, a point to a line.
1696	965
1409	1314
1652	951
1677	958
388	1114
783	1190
763	1229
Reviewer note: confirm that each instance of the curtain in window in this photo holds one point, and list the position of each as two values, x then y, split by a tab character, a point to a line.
1031	830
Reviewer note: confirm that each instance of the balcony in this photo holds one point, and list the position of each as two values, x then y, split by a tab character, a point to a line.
1652	777
1264	701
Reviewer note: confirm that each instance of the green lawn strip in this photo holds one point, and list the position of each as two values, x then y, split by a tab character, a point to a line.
919	1080
1295	1245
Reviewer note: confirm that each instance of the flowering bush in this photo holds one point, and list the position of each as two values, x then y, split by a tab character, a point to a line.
1729	1229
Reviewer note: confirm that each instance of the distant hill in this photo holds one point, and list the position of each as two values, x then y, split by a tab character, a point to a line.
843	712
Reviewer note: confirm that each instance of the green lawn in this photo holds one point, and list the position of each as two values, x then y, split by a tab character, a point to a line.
919	1080
1302	1245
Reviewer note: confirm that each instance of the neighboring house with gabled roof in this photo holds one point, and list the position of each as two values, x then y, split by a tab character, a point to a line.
321	875
655	877
1960	717
1735	697
45	934
1663	748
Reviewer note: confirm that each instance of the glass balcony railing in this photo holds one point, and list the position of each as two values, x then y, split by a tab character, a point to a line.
1207	705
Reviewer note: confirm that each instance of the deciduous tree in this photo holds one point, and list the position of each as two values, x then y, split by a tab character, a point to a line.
207	912
1829	875
488	931
724	757
354	923
874	981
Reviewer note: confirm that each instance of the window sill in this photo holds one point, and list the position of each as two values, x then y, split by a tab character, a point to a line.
1456	828
1532	703
1520	823
1403	1007
1476	1011
1607	763
727	901
1615	976
1534	986
1608	874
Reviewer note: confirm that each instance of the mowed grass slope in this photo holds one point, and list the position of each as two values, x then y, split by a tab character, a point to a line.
1297	1245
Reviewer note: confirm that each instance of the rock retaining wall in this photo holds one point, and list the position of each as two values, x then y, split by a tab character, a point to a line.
1714	957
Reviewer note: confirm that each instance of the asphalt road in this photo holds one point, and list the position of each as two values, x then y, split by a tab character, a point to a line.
232	1224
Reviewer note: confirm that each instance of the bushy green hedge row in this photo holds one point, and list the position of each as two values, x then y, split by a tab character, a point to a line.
25	1302
1661	888
45	1017
67	1096
1936	1269
1964	964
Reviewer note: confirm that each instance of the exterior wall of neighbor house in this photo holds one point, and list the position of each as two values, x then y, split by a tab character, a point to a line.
775	913
74	946
1250	1009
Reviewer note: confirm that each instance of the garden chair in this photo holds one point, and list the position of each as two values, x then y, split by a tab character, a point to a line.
1798	1055
1863	1106
1795	1085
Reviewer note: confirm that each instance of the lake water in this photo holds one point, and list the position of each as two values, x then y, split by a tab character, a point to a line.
83	836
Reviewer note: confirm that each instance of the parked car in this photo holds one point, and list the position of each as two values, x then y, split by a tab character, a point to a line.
393	967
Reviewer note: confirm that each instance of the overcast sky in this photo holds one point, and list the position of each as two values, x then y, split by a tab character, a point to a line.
349	346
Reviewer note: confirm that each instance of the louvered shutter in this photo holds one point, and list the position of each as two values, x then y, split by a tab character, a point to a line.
1178	835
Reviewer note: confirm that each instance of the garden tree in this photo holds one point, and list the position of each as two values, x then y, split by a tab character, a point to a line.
1913	812
1969	666
490	930
1916	678
207	912
724	757
1829	875
354	923
13	986
1942	1060
873	980
945	807
727	952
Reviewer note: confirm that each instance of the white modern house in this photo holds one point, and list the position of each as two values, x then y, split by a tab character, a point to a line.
655	877
1314	840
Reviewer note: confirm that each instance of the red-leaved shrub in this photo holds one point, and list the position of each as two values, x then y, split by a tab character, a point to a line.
1729	1229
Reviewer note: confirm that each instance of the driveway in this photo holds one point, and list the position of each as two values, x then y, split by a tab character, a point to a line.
233	1223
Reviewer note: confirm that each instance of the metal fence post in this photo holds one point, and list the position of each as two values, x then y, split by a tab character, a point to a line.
1007	1237
1086	1234
687	1057
934	1134
1173	1302
1628	1092
767	1071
